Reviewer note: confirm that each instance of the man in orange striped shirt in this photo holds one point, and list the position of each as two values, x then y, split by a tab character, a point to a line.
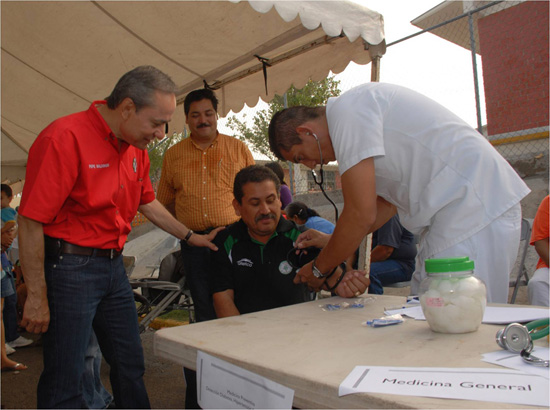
196	185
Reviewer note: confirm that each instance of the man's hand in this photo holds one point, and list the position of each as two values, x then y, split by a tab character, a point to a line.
36	314
311	237
214	232
305	275
205	240
161	217
353	284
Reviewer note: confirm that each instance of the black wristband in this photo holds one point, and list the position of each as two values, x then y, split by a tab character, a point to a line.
330	274
188	235
329	288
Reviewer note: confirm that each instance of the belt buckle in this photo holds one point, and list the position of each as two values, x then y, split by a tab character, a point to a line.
111	253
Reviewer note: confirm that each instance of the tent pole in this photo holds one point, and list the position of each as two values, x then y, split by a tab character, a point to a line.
291	173
375	69
366	243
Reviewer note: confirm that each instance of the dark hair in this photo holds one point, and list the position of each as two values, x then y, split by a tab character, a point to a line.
140	84
7	190
282	128
278	169
253	173
199	95
300	210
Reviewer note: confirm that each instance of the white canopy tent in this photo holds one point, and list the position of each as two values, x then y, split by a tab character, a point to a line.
59	56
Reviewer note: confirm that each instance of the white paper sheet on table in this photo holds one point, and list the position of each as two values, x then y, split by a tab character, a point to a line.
222	385
493	315
514	361
495	385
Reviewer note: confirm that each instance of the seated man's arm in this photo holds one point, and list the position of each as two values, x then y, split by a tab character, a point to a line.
381	253
389	238
224	304
221	279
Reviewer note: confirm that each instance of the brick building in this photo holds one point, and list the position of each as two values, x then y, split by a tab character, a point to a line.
512	39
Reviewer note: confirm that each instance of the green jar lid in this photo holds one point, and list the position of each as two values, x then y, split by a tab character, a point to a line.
449	265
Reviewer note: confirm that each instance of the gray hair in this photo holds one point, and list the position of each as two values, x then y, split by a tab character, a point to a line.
140	84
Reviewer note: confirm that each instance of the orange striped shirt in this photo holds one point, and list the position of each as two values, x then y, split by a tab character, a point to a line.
199	183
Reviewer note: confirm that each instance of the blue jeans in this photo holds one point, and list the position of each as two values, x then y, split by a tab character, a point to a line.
387	272
94	393
86	291
196	262
10	313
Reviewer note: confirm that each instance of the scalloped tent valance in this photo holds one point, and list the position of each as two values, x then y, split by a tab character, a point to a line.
58	56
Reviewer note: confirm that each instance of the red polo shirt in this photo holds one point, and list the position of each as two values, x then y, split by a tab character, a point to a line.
81	186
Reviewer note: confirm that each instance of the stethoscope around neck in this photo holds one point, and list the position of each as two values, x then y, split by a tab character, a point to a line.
518	338
321	182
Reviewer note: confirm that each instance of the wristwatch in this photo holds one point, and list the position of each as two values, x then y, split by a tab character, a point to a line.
316	272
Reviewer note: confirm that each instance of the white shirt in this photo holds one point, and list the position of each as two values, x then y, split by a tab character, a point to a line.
445	178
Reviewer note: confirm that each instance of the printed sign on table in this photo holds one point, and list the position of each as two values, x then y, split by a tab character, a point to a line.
495	385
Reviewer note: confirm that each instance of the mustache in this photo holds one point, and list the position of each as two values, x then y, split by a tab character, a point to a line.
204	124
266	216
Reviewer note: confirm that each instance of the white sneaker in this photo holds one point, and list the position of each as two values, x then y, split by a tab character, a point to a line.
9	349
20	342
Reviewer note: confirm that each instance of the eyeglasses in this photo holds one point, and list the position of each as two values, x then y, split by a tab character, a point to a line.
299	257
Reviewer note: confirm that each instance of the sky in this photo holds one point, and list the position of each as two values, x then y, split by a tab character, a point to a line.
427	63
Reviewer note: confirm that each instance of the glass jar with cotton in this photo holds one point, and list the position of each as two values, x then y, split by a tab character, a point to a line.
453	300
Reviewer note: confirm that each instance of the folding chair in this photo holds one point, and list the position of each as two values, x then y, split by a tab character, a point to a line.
167	292
522	271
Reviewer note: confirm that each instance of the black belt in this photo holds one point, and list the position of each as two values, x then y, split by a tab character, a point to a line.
205	232
54	246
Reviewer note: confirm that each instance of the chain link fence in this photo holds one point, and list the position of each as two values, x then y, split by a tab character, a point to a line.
508	46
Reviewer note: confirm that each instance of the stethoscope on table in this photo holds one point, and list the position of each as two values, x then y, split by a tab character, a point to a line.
519	339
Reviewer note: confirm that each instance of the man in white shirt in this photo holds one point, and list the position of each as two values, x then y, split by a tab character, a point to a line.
400	152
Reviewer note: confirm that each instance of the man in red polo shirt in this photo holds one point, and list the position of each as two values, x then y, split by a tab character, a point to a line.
87	175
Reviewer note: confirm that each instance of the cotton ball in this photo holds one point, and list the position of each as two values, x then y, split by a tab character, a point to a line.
433	294
471	313
468	285
445	286
462	302
454	305
448	288
441	319
471	286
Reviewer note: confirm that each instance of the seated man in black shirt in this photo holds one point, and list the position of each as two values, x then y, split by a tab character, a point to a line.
392	256
254	266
